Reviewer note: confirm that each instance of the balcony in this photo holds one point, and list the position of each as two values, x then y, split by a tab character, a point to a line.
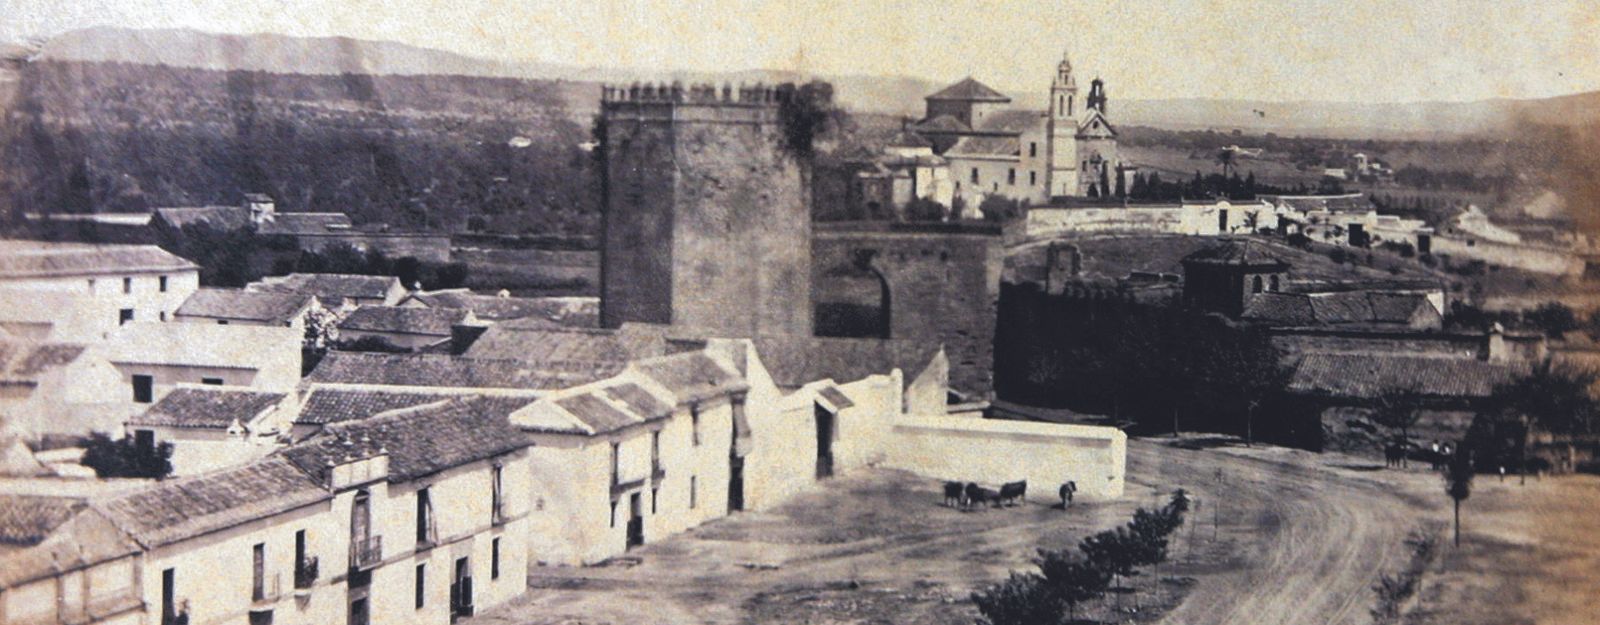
366	554
657	473
266	591
305	574
618	488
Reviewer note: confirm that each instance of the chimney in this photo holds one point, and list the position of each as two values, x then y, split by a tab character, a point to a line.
1495	344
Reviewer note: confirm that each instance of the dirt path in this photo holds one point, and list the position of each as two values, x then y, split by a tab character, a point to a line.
1280	540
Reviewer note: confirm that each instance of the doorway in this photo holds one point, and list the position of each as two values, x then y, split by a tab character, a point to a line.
735	483
461	590
825	427
359	615
635	521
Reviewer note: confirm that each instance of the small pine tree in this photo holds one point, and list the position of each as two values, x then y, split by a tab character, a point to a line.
1022	599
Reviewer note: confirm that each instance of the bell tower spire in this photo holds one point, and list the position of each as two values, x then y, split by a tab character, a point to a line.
1063	90
1062	126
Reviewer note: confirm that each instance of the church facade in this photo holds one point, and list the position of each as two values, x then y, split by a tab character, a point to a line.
1067	150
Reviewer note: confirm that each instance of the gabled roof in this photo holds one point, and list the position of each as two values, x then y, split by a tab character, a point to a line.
42	537
1086	125
183	508
72	259
28	361
324	404
404	320
985	146
17	460
200	344
794	361
589	353
239	304
305	223
435	370
1341	307
218	217
599	408
943	124
905	138
969	89
1010	121
1239	252
207	407
26	520
570	311
330	288
1368	375
419	441
691	376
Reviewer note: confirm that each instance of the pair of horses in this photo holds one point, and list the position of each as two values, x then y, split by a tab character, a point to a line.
970	495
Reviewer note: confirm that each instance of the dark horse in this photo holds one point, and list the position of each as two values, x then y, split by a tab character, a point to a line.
1011	492
1067	490
953	494
1394	454
978	496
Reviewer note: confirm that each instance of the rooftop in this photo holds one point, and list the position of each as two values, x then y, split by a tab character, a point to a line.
1343	307
201	344
335	403
183	508
691	376
438	370
1239	252
419	441
598	408
208	407
795	361
331	288
969	89
587	354
405	320
239	304
53	260
1368	375
217	217
564	310
28	361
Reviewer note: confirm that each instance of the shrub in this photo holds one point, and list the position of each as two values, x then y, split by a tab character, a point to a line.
124	458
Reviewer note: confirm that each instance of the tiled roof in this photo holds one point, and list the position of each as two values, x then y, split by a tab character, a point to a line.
1281	308
570	311
200	344
27	361
218	217
325	404
305	223
68	259
835	397
795	361
1367	375
404	320
985	146
587	353
274	308
969	89
50	544
1243	252
943	124
419	441
178	509
331	288
25	520
1343	307
598	408
691	376
1396	307
1011	121
207	407
435	370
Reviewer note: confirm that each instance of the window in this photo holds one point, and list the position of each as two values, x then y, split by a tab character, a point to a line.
145	440
125	315
496	484
127	285
654	494
1255	285
211	381
494	558
616	464
162	284
693	488
163	315
1274	283
222	322
143	389
655	452
1033	149
91	285
974	175
694	423
258	574
613	513
1011	176
1033	178
422	586
425	531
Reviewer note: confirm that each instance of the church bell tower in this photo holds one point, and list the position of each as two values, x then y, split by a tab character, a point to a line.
1062	125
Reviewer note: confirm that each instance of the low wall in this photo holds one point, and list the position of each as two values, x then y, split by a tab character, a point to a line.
991	452
1524	257
433	248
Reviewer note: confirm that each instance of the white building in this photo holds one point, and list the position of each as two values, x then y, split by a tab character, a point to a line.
255	308
406	327
82	293
61	390
155	357
213	426
338	292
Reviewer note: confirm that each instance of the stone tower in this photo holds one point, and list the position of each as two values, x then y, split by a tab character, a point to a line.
1062	128
705	215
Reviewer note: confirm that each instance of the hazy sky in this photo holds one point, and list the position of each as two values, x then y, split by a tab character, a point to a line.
1256	49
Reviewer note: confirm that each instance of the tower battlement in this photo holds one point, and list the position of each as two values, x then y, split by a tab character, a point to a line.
700	93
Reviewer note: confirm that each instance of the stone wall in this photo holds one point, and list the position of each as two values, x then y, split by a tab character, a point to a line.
992	452
427	247
942	286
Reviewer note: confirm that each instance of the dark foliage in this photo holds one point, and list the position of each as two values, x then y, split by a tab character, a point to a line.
808	112
1022	599
124	458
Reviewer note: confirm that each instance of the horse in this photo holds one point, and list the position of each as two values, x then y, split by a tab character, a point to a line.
1393	454
978	496
953	494
1011	492
1067	490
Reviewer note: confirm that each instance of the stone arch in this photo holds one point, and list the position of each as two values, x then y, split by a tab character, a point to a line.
855	299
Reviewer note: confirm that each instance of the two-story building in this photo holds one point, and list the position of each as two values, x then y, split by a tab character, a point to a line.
64	562
81	293
58	390
213	426
154	357
253	308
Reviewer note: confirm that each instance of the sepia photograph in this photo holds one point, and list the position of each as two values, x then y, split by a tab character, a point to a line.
799	312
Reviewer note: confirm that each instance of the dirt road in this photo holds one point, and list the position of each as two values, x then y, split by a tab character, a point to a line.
1282	540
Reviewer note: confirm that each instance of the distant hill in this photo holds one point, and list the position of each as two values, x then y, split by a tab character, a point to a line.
898	95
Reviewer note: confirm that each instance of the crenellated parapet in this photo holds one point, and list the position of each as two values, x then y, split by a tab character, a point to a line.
701	93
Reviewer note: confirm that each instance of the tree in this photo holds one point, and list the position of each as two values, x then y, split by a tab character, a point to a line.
1072	580
1398	409
126	458
924	209
1553	397
1458	484
1022	599
1225	158
1113	551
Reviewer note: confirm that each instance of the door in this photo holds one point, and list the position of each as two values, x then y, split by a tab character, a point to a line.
358	612
735	483
143	389
1424	244
635	521
169	610
824	442
461	590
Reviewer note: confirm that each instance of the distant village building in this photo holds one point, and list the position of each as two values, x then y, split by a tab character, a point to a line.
1225	277
237	306
1069	149
339	292
583	312
213	426
409	328
82	293
907	170
59	391
153	358
312	232
66	562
